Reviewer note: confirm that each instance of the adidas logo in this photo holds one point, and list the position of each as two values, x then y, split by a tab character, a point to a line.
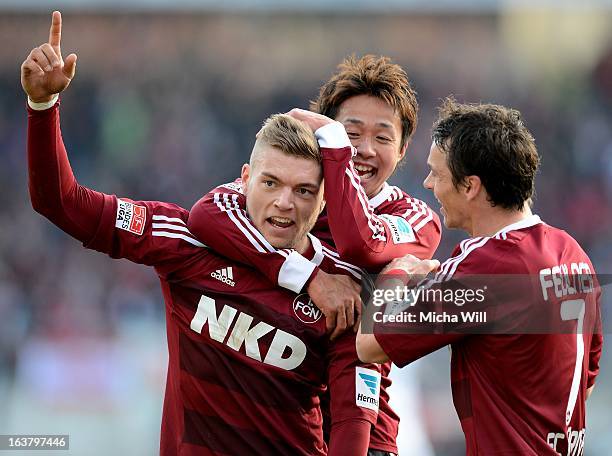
224	275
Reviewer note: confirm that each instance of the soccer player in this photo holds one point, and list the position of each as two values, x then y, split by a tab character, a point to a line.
369	221
514	393
247	360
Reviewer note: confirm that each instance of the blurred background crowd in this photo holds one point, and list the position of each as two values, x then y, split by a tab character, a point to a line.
165	105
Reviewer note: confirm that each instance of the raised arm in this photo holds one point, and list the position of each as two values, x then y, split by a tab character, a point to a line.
363	237
54	191
152	233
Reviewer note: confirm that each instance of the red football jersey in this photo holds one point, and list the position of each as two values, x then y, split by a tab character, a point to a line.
247	360
367	232
520	393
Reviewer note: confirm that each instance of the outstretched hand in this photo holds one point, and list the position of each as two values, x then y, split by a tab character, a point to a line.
44	72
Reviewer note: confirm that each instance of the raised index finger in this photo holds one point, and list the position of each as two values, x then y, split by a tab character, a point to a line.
55	33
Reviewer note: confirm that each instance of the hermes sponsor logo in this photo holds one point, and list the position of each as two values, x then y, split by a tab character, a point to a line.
367	388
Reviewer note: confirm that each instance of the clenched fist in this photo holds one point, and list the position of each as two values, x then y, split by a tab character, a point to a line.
44	72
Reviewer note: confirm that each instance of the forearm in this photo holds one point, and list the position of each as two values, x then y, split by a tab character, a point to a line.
363	237
54	191
371	240
350	437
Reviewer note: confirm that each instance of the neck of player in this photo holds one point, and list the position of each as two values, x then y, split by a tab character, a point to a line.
495	218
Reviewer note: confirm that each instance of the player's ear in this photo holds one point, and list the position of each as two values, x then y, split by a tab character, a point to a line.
245	175
402	152
472	187
322	206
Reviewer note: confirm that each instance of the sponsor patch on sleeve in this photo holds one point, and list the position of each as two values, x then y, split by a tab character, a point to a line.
130	217
367	388
401	231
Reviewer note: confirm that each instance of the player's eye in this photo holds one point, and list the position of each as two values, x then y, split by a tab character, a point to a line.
352	134
384	139
268	183
304	191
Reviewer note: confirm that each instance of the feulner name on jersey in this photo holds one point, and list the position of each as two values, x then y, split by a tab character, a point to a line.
243	334
563	280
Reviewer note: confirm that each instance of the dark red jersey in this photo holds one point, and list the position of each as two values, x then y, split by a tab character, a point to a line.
247	360
520	393
371	232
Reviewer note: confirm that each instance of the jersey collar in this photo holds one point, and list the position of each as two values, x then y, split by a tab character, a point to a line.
525	223
384	193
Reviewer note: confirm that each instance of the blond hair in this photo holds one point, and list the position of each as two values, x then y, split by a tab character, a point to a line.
291	136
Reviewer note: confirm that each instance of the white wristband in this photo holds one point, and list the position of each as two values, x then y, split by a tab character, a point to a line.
332	136
44	105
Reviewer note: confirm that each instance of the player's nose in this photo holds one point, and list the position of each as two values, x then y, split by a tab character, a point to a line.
284	199
427	182
365	148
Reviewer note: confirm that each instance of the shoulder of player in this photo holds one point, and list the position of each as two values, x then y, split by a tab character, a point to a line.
398	202
540	235
560	240
477	255
416	213
161	220
154	211
332	263
235	186
505	252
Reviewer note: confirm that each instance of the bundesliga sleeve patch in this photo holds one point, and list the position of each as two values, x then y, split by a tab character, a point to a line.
367	388
401	231
233	186
130	217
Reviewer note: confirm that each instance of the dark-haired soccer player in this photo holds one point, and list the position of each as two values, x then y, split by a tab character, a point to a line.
514	393
369	221
247	359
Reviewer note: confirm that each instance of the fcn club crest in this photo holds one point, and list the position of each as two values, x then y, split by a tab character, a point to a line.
305	310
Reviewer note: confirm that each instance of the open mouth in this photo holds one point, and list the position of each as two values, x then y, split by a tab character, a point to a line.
365	171
280	222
